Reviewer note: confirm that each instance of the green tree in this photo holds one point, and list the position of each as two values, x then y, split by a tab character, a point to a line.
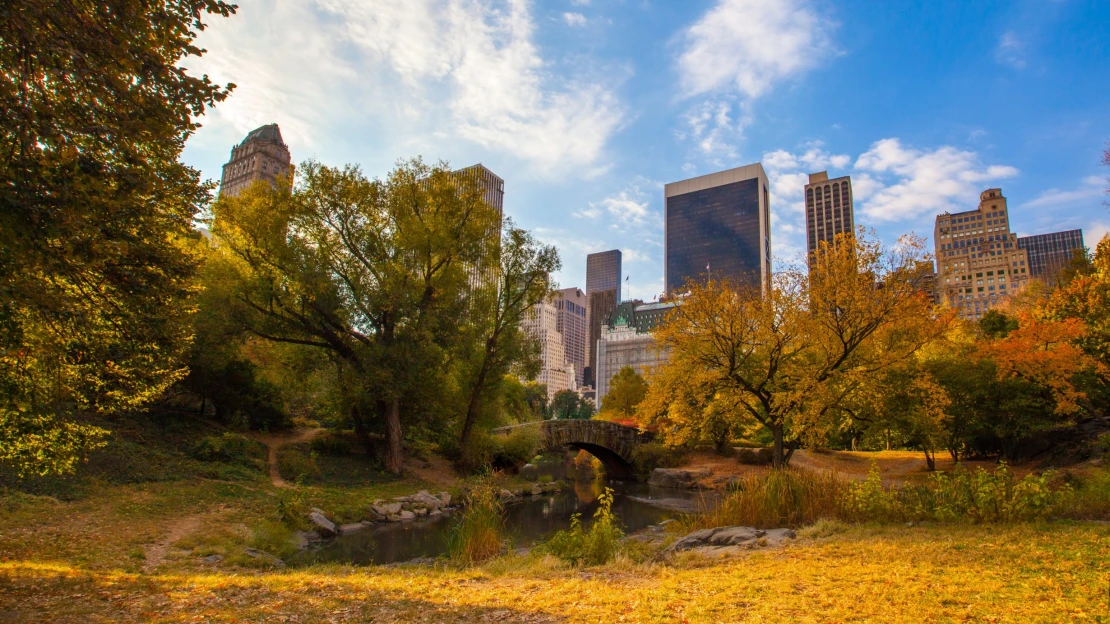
996	324
497	342
627	390
95	213
568	404
374	272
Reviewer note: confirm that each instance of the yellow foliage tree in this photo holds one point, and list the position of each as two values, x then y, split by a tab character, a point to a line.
788	358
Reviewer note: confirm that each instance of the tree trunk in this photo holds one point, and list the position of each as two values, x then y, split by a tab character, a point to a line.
778	460
472	409
931	460
393	455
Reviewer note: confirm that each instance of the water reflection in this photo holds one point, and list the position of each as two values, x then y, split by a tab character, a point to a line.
529	521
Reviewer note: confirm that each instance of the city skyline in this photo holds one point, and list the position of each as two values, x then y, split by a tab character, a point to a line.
586	143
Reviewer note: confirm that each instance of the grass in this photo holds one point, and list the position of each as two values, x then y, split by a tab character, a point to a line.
1016	573
479	533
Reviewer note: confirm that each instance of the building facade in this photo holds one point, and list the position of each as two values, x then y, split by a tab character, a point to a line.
571	325
979	263
541	323
603	293
720	225
828	209
263	155
1050	253
627	340
492	189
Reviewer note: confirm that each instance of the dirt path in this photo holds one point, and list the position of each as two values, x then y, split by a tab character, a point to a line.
177	530
275	441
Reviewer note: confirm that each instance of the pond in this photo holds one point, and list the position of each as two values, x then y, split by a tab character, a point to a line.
528	521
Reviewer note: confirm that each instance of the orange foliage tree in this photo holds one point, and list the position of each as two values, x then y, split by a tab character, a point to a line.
787	359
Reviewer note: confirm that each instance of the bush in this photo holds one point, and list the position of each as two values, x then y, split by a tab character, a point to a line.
295	465
231	448
794	498
755	457
648	457
333	443
594	547
515	449
499	451
479	533
1091	498
292	509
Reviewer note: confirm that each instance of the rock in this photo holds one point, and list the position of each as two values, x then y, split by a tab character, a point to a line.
435	514
680	478
728	540
537	490
680	505
530	472
266	557
406	515
353	527
393	517
393	508
505	495
323	526
420	511
376	513
445	498
426	499
212	559
303	538
317	510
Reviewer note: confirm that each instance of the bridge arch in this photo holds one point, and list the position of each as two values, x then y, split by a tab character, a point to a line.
611	443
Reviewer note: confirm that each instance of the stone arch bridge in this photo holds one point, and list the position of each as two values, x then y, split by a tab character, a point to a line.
609	442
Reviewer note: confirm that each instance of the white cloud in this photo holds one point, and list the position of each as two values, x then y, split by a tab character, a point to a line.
712	129
919	182
891	184
580	2
749	45
574	19
1010	50
739	50
425	70
1092	187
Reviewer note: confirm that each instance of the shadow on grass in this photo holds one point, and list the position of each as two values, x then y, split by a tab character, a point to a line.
32	592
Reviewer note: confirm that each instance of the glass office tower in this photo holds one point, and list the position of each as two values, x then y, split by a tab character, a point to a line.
1050	253
720	225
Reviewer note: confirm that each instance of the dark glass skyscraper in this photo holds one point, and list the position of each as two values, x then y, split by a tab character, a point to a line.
603	293
1049	253
492	188
718	224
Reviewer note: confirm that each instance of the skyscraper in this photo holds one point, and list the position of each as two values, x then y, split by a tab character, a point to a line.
828	208
261	156
718	224
603	293
979	263
492	189
541	322
571	323
1049	253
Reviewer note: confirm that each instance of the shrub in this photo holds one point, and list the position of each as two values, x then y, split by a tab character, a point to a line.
545	478
755	457
295	465
1102	444
333	443
479	533
230	447
1091	498
515	449
292	509
648	457
596	546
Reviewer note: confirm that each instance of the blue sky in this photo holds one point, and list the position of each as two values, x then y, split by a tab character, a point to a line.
587	107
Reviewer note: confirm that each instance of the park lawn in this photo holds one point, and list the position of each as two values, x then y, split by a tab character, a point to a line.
1021	573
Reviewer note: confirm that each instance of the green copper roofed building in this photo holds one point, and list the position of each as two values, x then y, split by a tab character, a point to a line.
627	340
263	155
